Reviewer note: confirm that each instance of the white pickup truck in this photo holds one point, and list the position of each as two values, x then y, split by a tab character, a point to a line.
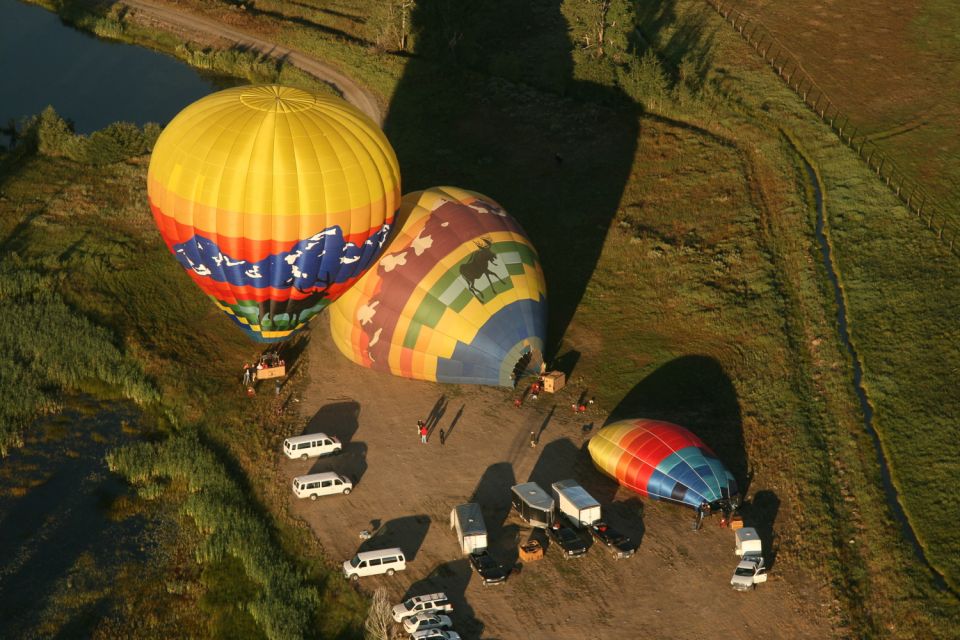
750	570
749	573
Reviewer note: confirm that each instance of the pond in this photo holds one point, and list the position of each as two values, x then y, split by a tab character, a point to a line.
90	81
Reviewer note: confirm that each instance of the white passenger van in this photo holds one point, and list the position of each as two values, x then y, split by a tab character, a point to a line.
311	446
370	563
321	484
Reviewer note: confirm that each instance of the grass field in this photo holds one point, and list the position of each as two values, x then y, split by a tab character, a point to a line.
702	205
891	67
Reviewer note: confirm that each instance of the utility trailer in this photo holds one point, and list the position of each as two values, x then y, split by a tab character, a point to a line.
467	519
573	501
534	505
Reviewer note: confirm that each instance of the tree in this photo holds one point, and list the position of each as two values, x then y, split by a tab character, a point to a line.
379	622
390	22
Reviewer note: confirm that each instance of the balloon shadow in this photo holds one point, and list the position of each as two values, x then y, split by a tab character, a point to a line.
340	419
493	495
693	392
488	102
452	579
406	532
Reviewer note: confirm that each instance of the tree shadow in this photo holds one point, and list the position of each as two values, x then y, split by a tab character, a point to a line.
492	493
452	578
406	532
693	392
350	462
489	102
684	45
761	514
340	419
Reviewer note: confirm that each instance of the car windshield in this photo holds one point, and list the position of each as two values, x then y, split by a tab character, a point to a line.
566	535
355	562
409	604
744	571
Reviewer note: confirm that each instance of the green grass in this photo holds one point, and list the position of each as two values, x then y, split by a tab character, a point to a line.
96	304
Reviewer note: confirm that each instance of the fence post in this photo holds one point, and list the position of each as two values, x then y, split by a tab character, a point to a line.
880	166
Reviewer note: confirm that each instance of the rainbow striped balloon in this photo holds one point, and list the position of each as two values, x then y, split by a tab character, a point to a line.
275	200
458	296
663	461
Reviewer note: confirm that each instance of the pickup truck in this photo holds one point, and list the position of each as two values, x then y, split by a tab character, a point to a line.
749	573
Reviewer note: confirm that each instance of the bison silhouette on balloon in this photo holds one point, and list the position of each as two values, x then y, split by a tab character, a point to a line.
280	203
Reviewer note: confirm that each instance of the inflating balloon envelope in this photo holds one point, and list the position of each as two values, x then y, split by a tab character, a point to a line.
274	200
458	295
663	461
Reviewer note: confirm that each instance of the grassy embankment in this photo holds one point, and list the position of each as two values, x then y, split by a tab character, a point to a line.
729	276
890	67
97	305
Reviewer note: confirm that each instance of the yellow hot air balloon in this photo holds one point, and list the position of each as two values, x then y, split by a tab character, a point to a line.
275	200
458	295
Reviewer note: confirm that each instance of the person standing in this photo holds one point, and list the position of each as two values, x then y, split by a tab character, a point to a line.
423	433
533	439
443	437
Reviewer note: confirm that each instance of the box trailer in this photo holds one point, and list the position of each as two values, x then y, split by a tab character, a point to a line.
573	501
748	543
533	504
467	519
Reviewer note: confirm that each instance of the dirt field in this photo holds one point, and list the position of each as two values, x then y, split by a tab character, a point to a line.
675	585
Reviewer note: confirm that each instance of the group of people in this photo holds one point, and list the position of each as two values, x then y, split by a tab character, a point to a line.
250	370
424	433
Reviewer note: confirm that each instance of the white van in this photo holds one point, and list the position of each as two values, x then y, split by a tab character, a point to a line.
371	563
311	446
321	484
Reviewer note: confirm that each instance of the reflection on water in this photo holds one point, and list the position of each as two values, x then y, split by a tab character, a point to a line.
90	81
62	537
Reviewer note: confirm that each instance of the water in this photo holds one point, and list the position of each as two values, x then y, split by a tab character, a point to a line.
89	81
893	498
62	545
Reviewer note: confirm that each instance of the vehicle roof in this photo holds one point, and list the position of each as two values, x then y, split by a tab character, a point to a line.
470	516
323	475
576	494
747	533
308	437
440	595
534	495
376	553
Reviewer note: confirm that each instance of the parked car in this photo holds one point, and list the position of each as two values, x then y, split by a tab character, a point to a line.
370	563
426	620
749	573
435	634
619	544
311	446
567	539
487	568
436	602
321	484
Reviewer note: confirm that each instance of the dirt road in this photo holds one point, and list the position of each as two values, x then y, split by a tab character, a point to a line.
354	93
676	586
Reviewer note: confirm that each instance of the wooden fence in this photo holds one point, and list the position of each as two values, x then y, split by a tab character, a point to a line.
781	60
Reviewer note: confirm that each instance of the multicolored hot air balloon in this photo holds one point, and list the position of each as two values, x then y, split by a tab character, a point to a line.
458	295
663	461
274	200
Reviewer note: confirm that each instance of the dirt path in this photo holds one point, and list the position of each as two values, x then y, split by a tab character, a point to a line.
677	585
354	93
